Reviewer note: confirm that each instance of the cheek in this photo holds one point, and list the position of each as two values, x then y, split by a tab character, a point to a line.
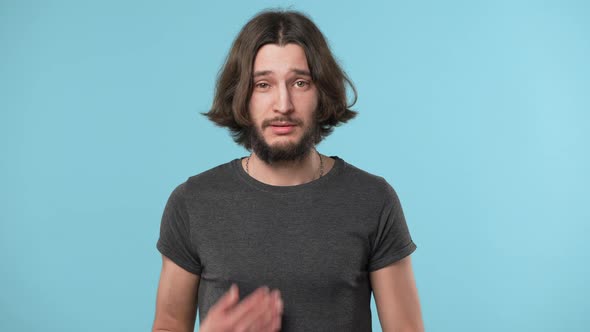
254	108
259	103
309	105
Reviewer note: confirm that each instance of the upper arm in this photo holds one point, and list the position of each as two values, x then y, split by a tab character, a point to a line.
396	297
176	303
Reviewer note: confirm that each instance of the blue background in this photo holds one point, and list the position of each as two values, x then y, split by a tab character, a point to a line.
476	113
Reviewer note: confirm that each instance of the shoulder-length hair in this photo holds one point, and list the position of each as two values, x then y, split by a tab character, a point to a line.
235	84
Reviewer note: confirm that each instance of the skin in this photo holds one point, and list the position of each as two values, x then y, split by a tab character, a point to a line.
176	303
282	89
396	297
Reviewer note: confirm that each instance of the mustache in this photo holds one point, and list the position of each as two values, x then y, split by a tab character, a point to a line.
283	119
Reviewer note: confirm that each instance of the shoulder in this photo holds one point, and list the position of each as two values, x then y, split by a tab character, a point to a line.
208	180
214	174
368	183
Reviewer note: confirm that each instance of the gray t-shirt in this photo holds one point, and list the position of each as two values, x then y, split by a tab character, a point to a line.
315	242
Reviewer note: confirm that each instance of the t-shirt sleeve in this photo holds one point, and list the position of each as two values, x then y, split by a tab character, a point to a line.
392	240
175	233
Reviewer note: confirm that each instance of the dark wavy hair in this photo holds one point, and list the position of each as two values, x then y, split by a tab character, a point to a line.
234	84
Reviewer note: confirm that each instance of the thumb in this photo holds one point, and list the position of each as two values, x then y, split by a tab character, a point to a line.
229	299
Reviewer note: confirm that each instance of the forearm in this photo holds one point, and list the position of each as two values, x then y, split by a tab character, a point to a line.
409	328
162	324
173	329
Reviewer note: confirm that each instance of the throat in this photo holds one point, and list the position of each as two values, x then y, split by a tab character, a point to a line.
285	173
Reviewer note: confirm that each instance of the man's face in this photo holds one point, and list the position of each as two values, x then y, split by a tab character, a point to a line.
283	104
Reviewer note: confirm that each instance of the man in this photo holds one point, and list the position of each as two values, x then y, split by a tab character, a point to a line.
317	231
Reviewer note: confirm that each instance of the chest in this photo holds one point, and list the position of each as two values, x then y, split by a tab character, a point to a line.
304	243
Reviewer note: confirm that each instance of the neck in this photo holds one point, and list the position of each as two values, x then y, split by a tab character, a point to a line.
287	173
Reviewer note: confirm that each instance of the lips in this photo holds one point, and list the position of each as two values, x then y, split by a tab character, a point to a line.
281	125
282	128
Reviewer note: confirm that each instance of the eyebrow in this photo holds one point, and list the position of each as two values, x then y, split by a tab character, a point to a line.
294	70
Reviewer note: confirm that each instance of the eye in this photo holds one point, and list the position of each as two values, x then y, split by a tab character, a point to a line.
262	85
301	84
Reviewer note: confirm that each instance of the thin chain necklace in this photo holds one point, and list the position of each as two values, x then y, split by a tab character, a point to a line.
319	155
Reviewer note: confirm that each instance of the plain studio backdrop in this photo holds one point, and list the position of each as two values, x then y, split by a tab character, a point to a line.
475	112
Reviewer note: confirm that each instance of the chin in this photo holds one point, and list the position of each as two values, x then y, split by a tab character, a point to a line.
282	140
275	148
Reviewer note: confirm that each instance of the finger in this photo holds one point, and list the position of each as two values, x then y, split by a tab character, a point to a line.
278	301
267	320
278	313
275	324
259	319
271	322
270	319
251	306
227	300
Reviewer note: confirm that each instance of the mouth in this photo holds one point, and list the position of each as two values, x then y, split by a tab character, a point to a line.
282	124
282	127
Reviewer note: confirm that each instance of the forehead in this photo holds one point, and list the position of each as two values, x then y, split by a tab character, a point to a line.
275	58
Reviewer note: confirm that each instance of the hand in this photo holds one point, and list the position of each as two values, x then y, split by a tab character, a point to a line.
260	311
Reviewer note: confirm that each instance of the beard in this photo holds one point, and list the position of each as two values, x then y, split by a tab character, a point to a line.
291	151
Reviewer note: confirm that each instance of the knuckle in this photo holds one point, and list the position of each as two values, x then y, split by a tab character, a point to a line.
241	328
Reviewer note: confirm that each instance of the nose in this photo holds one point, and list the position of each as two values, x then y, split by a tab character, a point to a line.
283	102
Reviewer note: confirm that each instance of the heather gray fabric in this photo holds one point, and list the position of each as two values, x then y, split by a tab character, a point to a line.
316	242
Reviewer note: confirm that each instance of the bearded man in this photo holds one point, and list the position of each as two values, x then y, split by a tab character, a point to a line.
286	238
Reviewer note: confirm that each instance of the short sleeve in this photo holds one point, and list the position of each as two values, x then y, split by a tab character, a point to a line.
392	240
175	233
